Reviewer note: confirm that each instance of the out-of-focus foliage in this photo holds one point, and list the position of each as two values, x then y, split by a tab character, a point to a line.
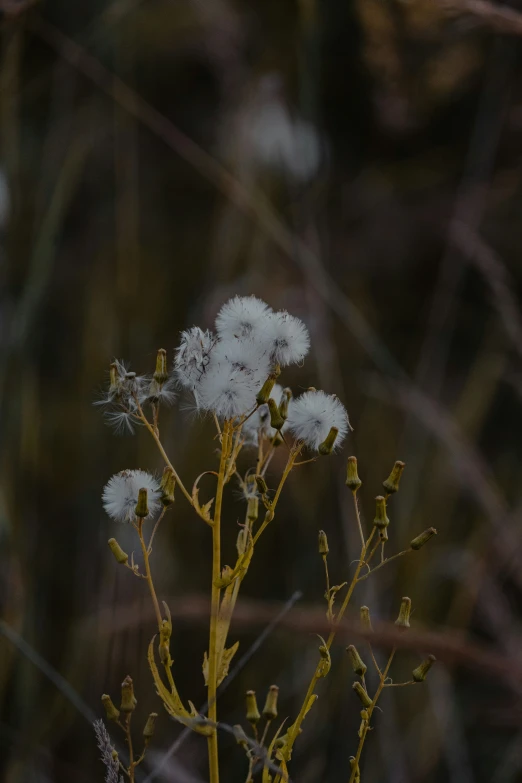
376	144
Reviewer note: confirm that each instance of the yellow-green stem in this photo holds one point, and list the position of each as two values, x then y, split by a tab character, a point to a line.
370	712
214	609
294	731
149	574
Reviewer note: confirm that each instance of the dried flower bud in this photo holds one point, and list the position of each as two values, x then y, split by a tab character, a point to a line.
352	477
161	373
261	485
391	484
266	389
128	700
357	662
419	674
383	534
142	506
423	538
403	620
270	708
361	693
148	730
253	509
117	551
252	712
326	447
241	737
242	538
381	520
323	543
168	485
366	623
285	401
111	711
276	420
114	379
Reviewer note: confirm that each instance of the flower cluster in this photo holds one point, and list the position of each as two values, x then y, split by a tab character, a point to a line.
232	374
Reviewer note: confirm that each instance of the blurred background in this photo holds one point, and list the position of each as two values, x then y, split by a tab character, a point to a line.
359	164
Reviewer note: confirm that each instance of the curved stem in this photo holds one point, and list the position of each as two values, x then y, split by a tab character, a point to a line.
294	453
163	453
148	573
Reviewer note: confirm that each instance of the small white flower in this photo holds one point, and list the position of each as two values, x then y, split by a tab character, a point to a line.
192	356
244	356
258	425
242	316
286	338
120	494
313	414
226	392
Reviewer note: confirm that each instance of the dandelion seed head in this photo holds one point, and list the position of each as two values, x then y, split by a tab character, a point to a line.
226	392
120	494
243	356
242	316
192	356
313	414
286	338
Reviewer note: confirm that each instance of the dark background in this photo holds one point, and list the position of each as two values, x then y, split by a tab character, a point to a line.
357	163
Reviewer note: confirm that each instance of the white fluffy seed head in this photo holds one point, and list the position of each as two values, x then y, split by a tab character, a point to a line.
242	317
227	393
286	338
120	494
243	356
313	414
192	356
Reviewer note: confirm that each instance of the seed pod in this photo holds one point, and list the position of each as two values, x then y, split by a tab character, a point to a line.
117	551
266	389
423	538
283	405
148	730
419	674
391	484
357	662
111	711
270	708
128	700
366	623
168	485
353	481
361	693
323	543
252	711
261	485
381	520
142	506
161	373
276	420
403	620
253	509
327	446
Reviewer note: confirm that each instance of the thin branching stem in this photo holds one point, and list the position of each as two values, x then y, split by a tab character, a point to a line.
383	563
370	709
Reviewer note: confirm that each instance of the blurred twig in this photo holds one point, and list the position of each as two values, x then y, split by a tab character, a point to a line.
446	644
501	17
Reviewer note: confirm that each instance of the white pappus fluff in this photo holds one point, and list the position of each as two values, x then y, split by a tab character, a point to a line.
286	338
226	392
242	316
313	414
120	494
192	356
243	356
